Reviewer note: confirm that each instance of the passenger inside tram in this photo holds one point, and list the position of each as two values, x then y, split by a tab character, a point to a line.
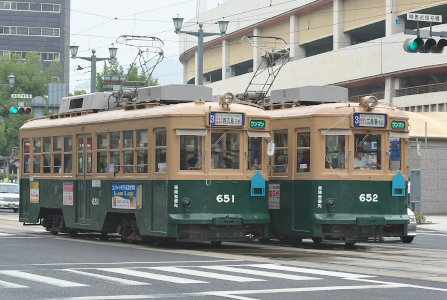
363	162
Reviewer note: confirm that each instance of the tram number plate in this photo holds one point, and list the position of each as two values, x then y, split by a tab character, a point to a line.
369	120
369	198
225	198
226	119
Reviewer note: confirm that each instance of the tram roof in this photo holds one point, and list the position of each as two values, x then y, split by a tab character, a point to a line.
183	109
436	124
334	109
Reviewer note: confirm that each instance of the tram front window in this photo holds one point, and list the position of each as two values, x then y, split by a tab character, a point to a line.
335	152
190	152
395	154
368	149
225	149
255	153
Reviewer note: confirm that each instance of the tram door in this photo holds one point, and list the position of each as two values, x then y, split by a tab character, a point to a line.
84	170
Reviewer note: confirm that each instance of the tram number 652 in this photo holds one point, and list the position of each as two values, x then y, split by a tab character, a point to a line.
369	198
225	198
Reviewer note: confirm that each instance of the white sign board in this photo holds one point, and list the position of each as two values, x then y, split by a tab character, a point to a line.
21	96
424	18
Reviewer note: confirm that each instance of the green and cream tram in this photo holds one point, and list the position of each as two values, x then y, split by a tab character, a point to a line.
339	171
189	171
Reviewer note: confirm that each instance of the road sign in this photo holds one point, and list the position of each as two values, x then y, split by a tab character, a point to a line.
424	18
21	96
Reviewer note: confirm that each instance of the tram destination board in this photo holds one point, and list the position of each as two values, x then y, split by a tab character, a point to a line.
227	119
370	120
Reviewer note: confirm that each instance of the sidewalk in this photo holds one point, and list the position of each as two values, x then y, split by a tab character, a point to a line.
438	223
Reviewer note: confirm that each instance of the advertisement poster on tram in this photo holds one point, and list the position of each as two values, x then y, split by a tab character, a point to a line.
34	192
274	195
67	195
126	195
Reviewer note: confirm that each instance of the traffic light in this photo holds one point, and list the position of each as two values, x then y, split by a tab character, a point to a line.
430	45
20	110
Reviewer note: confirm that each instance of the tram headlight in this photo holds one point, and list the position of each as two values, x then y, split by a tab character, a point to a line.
226	99
369	102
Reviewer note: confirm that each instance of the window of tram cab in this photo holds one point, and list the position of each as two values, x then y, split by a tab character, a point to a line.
303	152
368	151
255	153
225	150
395	153
160	150
142	141
335	152
281	157
26	156
191	151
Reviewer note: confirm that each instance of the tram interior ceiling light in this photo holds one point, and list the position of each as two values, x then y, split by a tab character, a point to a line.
369	102
420	45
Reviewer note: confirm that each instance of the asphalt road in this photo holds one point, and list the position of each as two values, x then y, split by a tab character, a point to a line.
37	265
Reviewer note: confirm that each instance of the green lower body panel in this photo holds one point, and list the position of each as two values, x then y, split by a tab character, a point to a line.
194	210
338	210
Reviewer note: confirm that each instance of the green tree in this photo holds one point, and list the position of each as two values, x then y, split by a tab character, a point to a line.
31	78
134	77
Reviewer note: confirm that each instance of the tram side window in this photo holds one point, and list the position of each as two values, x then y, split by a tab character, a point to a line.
335	152
68	160
368	149
115	157
190	152
26	156
225	150
303	152
255	153
160	150
37	159
142	141
395	154
57	154
101	155
281	156
47	165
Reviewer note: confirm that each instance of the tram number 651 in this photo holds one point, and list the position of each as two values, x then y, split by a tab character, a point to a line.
225	198
369	198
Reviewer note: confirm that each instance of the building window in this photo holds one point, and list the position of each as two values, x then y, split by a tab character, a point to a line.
34	31
30	6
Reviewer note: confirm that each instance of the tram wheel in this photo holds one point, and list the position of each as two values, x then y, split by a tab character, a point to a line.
216	243
407	239
349	244
317	241
54	232
104	236
73	233
296	242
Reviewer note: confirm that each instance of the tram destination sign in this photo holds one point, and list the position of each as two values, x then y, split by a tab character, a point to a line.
227	119
370	120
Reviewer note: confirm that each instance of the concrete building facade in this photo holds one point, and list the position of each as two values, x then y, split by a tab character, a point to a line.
356	44
41	26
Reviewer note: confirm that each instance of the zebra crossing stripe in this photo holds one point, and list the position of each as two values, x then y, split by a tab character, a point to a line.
40	278
205	274
310	271
260	273
108	278
5	234
150	275
9	285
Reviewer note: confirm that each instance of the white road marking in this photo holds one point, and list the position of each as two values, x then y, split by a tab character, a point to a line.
108	278
5	234
260	273
430	233
40	278
9	285
138	262
310	271
206	274
234	294
150	275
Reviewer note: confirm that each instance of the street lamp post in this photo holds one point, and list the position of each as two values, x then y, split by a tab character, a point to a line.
11	81
93	59
223	25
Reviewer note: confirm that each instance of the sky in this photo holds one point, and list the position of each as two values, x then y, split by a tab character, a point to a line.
96	24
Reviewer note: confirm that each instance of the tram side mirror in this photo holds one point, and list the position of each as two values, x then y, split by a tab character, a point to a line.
271	148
